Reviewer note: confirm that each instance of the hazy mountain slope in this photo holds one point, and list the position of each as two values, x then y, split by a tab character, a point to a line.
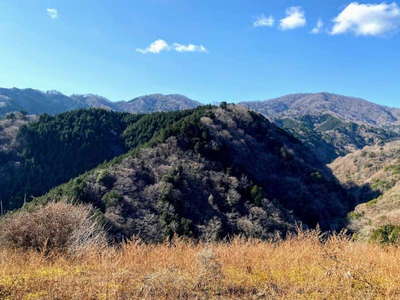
346	108
36	102
157	103
330	137
214	173
379	168
53	102
96	101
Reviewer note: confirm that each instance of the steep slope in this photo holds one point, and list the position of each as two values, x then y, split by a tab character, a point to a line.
376	167
331	137
157	103
212	174
346	108
51	151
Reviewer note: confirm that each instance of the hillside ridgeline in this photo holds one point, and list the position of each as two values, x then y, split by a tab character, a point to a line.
54	149
215	173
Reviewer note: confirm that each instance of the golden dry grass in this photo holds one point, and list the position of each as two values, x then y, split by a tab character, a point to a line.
297	268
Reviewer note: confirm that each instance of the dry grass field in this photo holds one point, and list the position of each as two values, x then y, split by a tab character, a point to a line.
300	267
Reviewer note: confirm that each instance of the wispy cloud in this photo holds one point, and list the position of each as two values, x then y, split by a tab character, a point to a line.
52	13
189	48
160	45
295	18
367	19
263	21
318	27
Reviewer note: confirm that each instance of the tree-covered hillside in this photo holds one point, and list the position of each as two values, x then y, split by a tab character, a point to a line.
215	173
54	149
331	137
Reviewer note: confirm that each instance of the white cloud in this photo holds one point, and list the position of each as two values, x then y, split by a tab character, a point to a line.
189	48
160	45
52	13
294	18
318	27
367	19
155	47
264	21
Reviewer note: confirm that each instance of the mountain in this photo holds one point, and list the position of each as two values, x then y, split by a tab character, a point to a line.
90	100
345	108
37	156
157	103
53	102
330	137
214	173
373	174
36	102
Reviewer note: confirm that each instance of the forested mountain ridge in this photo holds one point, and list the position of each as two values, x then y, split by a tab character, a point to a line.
214	173
54	149
348	109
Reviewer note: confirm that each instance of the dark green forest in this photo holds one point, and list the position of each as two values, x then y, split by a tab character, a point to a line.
55	149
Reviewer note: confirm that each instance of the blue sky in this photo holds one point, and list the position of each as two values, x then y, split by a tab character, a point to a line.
209	50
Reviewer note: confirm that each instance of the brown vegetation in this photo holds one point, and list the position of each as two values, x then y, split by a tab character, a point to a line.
300	267
373	175
58	226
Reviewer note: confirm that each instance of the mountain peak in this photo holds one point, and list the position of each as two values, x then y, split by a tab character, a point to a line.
347	108
158	102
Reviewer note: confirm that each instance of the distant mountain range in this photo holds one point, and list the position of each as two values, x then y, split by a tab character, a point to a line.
346	108
294	106
53	102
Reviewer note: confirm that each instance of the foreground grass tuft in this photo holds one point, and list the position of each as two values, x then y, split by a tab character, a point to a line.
300	267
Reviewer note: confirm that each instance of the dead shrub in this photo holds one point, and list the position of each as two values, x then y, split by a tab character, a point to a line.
58	226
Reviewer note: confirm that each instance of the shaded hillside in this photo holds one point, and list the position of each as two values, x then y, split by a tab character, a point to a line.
36	102
212	174
346	108
55	149
377	167
330	137
53	102
157	103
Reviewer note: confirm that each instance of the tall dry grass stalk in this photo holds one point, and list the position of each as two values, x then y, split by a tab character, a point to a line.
300	267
